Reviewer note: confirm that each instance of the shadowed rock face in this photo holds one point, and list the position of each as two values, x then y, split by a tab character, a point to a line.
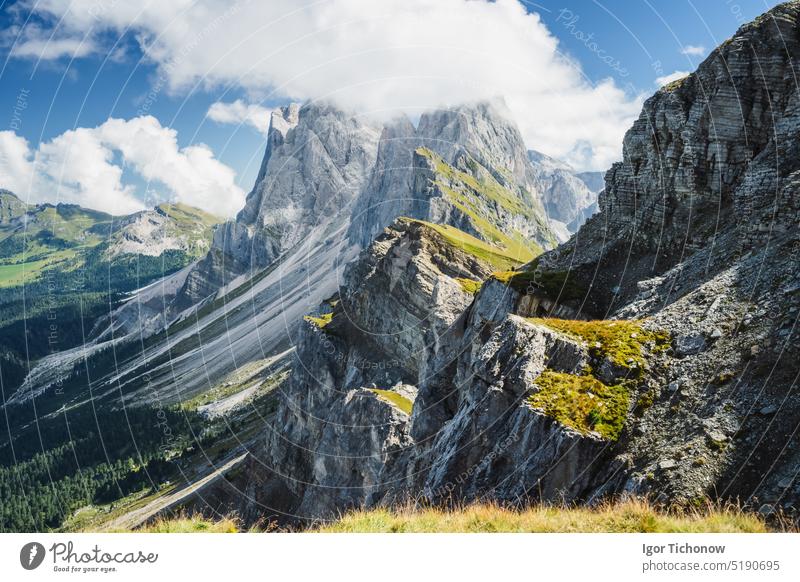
713	155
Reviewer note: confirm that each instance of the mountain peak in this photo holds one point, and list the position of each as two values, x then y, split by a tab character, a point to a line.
548	162
284	118
11	206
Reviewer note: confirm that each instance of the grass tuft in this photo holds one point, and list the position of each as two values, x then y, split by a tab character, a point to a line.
622	341
628	516
469	285
191	524
320	321
395	399
498	256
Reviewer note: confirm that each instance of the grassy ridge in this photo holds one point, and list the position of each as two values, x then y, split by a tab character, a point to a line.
619	340
479	199
499	257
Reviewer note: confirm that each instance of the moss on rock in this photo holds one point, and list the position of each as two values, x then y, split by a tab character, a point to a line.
583	403
319	321
469	285
621	341
397	400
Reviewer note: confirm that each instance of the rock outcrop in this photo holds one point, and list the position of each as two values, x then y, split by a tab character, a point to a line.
167	227
11	207
407	384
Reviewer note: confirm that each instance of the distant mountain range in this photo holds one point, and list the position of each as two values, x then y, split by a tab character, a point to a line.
59	261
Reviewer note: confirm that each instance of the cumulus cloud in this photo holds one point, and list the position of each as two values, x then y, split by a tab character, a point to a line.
16	166
238	112
32	41
661	81
374	57
85	166
693	50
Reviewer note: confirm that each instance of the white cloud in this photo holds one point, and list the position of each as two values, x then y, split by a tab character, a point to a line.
85	166
693	50
78	167
52	49
661	81
16	166
32	41
374	57
238	112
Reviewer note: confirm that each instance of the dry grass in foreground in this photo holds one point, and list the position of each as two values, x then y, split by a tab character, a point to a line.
191	524
622	517
633	516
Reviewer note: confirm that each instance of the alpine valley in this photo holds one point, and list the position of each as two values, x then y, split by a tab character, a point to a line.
425	312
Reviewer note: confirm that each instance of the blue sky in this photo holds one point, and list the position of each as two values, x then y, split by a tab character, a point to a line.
631	42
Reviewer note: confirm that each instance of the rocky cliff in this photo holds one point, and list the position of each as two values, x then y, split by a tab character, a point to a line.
302	223
11	207
648	355
698	235
325	168
167	227
708	167
441	357
315	164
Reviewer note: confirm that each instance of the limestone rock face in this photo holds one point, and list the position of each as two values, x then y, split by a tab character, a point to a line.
565	194
698	231
323	167
711	154
342	436
407	385
316	162
459	167
175	227
495	445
